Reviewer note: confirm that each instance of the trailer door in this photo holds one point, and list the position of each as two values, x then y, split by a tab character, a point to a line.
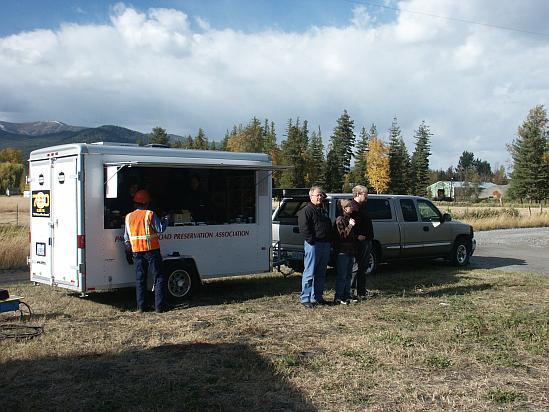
41	251
64	210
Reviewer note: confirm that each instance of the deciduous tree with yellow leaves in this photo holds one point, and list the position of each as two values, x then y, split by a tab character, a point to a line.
377	159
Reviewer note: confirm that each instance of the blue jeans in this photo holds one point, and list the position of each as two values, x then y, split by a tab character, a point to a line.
345	264
149	262
314	271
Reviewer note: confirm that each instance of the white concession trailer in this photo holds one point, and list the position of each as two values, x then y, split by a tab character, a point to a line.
218	203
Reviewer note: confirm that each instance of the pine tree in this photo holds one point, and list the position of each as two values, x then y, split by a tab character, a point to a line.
465	164
271	148
253	137
420	160
399	162
500	177
530	153
360	176
178	144
317	163
159	136
294	153
483	169
201	141
378	165
188	142
226	141
339	157
246	139
332	166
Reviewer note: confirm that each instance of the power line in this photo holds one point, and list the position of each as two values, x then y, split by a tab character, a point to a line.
457	19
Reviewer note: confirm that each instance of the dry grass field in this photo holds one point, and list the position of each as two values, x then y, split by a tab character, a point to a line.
14	246
14	210
431	338
490	218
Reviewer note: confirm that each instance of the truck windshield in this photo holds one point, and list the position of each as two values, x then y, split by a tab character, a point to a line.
287	212
189	196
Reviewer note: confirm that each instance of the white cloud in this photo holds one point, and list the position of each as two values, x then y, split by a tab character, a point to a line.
161	30
473	85
361	18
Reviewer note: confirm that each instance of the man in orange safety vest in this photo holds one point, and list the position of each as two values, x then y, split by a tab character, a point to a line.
141	239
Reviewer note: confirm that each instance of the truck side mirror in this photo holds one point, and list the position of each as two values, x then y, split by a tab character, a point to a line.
446	217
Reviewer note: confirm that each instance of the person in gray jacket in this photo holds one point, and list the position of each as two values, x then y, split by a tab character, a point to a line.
316	227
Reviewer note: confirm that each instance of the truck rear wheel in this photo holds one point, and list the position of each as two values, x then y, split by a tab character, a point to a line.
182	282
373	260
460	253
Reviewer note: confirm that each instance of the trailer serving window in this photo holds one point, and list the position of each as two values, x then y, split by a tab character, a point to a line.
189	196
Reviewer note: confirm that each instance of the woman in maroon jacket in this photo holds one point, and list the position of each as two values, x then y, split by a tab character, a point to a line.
345	243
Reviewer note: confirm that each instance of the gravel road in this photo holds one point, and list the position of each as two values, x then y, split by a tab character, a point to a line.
518	250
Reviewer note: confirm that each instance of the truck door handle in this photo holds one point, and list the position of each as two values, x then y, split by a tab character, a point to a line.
295	230
425	228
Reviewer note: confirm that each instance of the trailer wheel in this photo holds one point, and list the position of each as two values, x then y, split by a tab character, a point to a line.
182	282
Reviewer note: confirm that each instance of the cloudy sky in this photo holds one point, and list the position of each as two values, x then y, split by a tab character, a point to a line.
472	69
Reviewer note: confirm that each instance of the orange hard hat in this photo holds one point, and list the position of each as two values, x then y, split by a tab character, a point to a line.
142	197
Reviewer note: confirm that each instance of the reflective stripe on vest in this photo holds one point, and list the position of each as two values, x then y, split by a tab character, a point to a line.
142	236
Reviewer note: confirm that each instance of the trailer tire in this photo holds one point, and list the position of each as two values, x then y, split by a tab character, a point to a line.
182	281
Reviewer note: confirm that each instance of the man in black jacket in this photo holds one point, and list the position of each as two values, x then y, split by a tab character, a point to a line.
364	231
316	227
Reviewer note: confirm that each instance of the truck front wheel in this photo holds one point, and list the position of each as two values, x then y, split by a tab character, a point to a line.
182	282
460	253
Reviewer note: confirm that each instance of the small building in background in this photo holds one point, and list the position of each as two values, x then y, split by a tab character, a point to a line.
450	190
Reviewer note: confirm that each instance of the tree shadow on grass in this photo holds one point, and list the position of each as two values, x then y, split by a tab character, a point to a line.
190	377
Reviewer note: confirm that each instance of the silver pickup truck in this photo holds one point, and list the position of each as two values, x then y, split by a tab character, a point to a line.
405	227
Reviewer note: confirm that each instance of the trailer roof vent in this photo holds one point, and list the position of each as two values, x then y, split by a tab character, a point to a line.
115	144
157	145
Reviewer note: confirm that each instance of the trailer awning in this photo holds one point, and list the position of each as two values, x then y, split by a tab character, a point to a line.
114	167
202	163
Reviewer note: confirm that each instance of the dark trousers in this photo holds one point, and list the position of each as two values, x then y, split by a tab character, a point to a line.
364	247
149	262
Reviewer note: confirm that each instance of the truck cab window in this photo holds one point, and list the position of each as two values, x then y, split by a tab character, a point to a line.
408	210
428	211
379	209
287	214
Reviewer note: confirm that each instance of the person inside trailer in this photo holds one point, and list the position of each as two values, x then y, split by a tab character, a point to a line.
197	200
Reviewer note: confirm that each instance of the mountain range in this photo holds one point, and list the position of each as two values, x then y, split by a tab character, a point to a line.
27	137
